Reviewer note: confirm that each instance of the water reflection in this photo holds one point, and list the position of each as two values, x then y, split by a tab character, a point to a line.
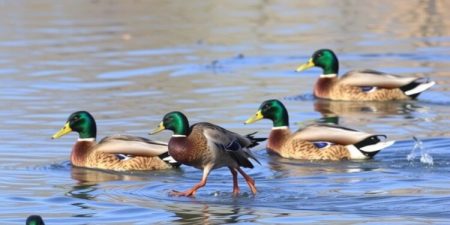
88	180
83	191
331	110
289	168
201	213
94	176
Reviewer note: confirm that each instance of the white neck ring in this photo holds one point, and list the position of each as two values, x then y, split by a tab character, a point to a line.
86	139
178	135
328	75
280	128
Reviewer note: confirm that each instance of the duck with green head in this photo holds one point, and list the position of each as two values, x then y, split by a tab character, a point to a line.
206	146
315	142
116	152
35	220
363	85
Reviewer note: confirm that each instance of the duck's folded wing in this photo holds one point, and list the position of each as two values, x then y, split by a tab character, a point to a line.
331	133
233	144
375	79
221	135
131	145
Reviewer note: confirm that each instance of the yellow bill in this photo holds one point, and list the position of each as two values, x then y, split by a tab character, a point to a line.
306	66
65	130
257	116
158	129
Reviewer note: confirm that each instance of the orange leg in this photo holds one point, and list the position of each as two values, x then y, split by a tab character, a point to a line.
191	192
248	179
235	181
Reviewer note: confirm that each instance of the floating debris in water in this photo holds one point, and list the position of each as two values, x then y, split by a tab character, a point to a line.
240	56
425	157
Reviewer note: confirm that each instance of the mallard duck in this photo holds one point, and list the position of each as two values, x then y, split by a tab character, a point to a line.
316	142
116	152
35	220
207	147
363	85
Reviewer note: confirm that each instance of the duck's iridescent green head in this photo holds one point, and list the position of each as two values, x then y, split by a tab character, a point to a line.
273	110
81	122
323	58
174	121
35	220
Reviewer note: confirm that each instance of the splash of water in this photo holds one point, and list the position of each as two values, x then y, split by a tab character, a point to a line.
425	157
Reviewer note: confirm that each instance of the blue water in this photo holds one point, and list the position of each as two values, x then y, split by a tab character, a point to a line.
130	62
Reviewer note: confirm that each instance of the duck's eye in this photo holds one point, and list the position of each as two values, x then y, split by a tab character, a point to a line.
75	118
319	55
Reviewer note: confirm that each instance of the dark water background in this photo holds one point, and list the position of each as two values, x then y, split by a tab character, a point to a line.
130	62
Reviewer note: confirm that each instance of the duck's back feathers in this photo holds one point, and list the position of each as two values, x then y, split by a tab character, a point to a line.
232	144
372	78
131	145
125	152
410	86
221	135
331	133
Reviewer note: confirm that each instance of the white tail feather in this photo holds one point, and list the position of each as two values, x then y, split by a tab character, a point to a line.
356	153
169	159
378	146
420	88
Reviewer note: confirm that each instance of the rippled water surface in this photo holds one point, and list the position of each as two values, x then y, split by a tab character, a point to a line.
130	62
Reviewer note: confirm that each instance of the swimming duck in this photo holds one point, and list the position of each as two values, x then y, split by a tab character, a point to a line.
116	152
206	146
316	142
34	220
363	85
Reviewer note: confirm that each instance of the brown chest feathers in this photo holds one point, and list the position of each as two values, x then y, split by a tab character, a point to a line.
323	86
277	138
80	152
189	150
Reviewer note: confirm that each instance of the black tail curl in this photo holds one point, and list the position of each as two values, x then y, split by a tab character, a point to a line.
413	85
374	139
254	140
